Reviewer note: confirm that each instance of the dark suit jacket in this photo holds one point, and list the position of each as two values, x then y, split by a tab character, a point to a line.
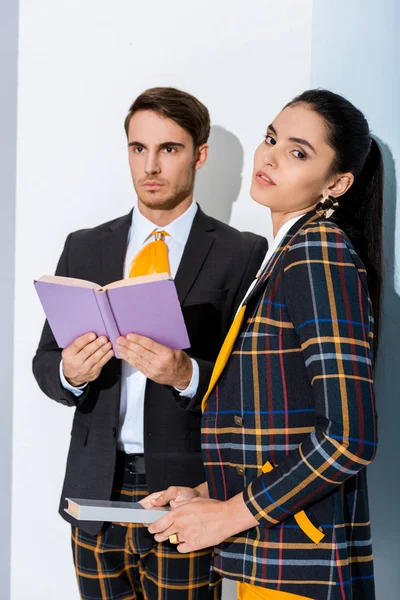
217	266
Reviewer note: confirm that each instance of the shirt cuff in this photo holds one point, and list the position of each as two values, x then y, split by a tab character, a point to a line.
77	391
191	389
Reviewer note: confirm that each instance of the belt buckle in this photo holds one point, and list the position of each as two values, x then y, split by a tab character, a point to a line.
131	464
134	464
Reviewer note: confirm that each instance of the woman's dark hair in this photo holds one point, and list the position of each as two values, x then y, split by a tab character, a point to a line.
359	213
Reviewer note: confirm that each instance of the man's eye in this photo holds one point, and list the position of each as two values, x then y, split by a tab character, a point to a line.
269	140
169	150
138	150
299	154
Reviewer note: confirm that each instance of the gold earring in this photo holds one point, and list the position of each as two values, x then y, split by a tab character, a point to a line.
327	207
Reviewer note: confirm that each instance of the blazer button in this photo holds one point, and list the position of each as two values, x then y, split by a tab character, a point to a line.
239	420
241	471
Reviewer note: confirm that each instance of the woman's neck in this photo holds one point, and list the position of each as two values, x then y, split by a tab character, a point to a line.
280	218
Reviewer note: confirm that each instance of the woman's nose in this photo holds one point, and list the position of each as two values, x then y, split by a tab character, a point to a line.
269	156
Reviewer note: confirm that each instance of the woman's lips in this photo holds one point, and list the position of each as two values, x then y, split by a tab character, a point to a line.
263	179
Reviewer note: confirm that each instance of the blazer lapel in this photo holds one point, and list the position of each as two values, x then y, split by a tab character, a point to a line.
269	268
113	249
195	253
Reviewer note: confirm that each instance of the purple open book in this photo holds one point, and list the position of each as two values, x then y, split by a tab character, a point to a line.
146	305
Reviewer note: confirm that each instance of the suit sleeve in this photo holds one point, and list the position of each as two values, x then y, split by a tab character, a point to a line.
256	257
47	359
327	300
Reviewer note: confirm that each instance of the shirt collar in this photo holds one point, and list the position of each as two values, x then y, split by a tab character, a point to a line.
178	229
284	230
278	239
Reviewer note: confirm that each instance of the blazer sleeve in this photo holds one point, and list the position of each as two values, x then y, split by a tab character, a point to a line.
326	296
48	355
256	256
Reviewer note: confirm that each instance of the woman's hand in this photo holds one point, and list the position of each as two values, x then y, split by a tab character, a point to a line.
201	523
173	496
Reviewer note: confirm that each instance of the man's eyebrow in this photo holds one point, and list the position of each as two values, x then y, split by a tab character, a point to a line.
169	144
161	146
294	139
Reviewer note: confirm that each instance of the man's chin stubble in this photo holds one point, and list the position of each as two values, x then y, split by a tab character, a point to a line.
153	203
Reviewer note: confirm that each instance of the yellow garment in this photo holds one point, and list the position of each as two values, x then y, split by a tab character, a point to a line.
224	353
315	534
153	258
255	592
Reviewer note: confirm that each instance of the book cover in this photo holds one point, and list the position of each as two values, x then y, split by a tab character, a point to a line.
147	305
113	512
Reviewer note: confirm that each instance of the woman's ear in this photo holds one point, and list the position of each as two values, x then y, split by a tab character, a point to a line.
340	185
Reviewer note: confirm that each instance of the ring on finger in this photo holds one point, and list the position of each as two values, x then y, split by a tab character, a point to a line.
174	539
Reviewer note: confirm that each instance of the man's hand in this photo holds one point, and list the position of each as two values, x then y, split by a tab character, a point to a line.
159	363
85	357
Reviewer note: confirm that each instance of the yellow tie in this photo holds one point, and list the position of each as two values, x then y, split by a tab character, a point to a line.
224	353
153	258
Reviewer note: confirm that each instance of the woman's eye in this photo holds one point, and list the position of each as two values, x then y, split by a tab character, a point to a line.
269	140
299	154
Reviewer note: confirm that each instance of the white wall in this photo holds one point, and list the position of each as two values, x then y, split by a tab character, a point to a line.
80	66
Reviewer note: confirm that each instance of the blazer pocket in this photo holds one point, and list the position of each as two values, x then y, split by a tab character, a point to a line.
80	432
206	297
315	534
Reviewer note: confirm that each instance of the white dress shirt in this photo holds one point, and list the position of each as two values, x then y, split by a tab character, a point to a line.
133	382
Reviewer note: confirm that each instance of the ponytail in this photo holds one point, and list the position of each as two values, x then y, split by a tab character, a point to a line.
359	213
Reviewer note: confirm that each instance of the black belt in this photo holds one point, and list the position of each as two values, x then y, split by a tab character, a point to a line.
133	463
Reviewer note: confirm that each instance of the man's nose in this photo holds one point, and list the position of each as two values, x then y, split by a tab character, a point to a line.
152	164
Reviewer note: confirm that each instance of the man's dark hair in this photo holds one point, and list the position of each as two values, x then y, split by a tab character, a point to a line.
181	107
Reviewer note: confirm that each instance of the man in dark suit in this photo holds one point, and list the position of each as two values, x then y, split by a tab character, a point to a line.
130	435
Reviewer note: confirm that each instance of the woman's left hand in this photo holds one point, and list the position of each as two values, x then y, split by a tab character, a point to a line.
202	523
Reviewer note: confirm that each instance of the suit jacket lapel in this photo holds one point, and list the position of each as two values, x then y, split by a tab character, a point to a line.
195	253
113	249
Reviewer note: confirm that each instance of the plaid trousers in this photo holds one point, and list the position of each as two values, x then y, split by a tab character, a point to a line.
126	563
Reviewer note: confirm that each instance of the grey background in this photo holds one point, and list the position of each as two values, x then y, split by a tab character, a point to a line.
356	52
8	139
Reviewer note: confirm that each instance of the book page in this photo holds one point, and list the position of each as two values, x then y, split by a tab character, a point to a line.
136	280
70	281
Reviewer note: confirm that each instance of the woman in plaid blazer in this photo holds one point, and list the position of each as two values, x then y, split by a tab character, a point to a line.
289	421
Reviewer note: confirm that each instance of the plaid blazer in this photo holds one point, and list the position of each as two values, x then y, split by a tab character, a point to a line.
292	424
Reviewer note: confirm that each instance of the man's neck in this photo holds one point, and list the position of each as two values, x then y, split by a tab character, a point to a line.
163	217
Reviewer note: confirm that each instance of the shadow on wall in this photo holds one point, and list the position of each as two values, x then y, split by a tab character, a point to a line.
218	183
384	482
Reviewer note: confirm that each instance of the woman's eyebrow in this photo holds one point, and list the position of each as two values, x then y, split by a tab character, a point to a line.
303	142
296	140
